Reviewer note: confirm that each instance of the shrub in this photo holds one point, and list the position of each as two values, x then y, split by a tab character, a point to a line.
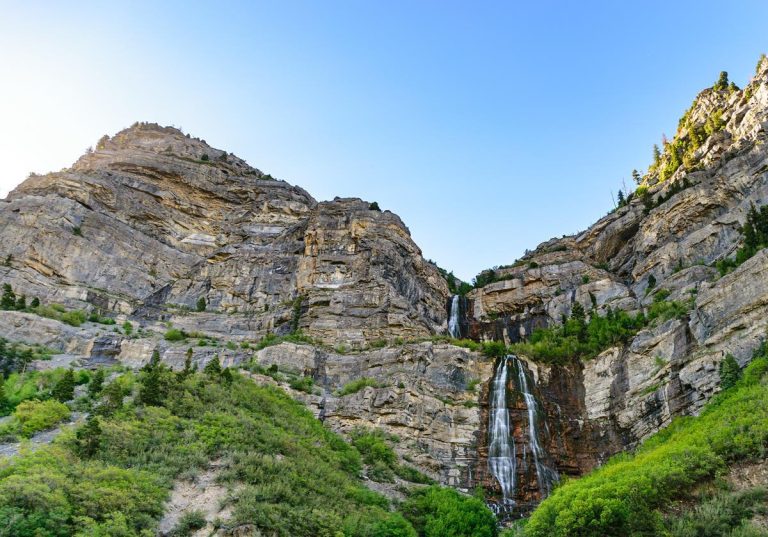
357	385
174	334
443	512
303	384
374	206
201	304
189	522
73	318
34	416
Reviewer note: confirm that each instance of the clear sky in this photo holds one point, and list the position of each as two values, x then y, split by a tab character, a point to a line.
487	126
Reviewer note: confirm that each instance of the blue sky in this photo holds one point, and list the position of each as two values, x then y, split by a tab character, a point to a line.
487	126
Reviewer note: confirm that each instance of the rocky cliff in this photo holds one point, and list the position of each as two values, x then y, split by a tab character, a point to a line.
161	230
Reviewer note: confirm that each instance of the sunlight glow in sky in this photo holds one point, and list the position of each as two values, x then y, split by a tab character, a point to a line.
487	126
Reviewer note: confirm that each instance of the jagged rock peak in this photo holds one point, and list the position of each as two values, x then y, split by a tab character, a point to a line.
151	140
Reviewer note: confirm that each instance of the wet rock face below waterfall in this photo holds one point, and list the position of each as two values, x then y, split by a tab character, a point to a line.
514	460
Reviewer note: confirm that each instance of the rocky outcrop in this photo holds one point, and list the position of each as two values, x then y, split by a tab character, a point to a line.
152	221
161	229
424	393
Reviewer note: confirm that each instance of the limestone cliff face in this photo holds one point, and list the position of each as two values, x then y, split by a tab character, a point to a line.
673	236
153	220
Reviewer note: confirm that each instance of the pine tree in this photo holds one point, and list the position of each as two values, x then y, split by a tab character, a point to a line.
636	177
213	368
656	155
154	361
112	396
64	390
730	372
722	82
226	376
8	300
150	391
21	303
35	303
201	304
96	384
621	199
88	438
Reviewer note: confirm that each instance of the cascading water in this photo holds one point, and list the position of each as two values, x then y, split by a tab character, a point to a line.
501	451
454	330
545	475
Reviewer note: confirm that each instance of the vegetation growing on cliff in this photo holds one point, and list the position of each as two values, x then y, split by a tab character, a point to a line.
293	477
631	493
755	237
579	337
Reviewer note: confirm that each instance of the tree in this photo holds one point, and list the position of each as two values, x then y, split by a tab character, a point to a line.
636	177
88	438
651	281
374	206
656	155
21	303
8	299
730	372
201	305
96	384
64	390
112	399
226	376
35	303
150	393
5	404
722	82
213	368
621	199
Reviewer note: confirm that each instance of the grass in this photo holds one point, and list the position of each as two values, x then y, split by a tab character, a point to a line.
629	494
356	385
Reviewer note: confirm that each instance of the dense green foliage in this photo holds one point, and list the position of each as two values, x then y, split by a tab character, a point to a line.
33	416
19	387
578	337
624	497
441	512
293	476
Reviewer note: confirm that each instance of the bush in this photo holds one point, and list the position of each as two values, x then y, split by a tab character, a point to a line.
443	512
372	445
189	522
174	334
201	304
34	416
73	318
303	384
357	385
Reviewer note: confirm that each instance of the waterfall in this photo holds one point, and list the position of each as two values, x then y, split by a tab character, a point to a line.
454	330
502	462
544	474
501	451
